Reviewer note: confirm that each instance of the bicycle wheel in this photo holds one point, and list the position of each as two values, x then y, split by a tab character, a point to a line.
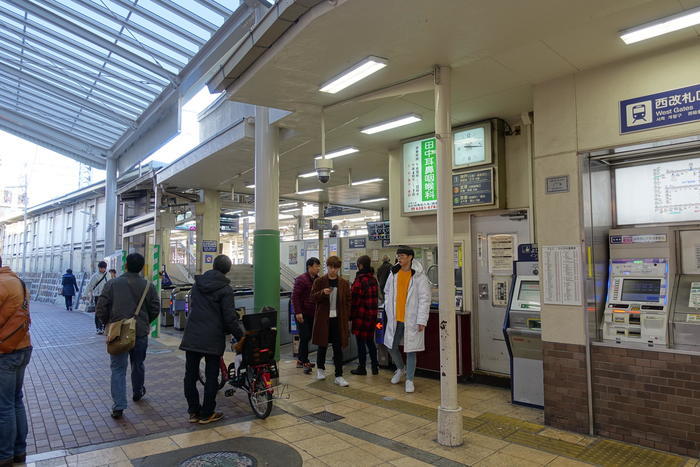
259	395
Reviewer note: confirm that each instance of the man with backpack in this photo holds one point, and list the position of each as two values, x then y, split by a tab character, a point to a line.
129	296
95	286
15	352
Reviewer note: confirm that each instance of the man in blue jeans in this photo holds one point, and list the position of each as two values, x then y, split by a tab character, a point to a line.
119	300
15	352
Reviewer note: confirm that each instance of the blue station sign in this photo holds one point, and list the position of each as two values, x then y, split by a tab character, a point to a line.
661	109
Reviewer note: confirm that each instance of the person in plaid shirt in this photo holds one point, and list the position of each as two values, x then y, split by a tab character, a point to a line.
363	312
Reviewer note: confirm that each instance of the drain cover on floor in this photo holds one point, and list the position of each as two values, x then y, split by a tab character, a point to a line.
324	416
220	459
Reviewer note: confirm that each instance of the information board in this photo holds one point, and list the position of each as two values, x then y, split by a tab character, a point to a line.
356	243
658	193
229	223
474	188
320	224
420	175
562	282
378	231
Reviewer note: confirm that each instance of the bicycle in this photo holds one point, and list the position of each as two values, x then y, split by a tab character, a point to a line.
257	368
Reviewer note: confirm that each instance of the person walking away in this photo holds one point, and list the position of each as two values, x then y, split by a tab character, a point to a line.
331	293
383	274
305	310
112	274
212	316
407	305
119	300
94	287
15	352
70	287
363	312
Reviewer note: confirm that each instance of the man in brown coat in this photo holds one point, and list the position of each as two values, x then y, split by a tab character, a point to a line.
331	294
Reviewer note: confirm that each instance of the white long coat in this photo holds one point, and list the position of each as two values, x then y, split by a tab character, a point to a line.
417	310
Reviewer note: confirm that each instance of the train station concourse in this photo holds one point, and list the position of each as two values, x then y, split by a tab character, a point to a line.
498	201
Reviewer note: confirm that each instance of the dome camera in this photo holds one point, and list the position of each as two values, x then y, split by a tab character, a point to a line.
323	169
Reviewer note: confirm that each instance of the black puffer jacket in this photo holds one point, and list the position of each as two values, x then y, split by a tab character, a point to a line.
213	315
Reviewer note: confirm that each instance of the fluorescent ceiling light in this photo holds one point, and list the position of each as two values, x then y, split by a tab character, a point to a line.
371	180
340	152
234	212
283	205
354	74
287	211
250	186
306	192
354	219
661	26
285	217
394	123
373	200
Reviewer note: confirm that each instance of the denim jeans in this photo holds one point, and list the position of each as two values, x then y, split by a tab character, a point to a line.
13	417
396	353
137	355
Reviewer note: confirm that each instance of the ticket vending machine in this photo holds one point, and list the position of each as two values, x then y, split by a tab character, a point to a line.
640	280
522	329
685	305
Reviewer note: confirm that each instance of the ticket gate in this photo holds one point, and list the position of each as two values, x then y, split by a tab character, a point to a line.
522	329
166	318
179	298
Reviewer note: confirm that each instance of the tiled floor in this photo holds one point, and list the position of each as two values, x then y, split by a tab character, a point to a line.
381	424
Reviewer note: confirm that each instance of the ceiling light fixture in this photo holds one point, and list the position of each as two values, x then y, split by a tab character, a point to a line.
356	73
284	205
339	153
393	123
287	211
373	200
661	26
364	182
250	186
306	192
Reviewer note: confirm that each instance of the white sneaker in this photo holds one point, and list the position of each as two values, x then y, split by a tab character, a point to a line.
320	374
396	379
409	386
340	381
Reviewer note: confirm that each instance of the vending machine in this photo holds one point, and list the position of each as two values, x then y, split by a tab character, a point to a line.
522	329
685	303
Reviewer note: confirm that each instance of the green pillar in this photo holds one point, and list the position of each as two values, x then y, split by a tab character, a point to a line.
266	254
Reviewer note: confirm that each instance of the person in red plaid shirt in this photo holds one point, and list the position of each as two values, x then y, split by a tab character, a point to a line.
363	312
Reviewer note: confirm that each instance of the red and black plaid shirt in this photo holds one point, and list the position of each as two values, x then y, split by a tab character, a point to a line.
365	293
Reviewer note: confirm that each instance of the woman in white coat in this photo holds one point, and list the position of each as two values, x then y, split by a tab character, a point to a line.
407	307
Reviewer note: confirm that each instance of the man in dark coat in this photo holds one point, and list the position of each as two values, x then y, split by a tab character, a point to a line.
305	310
70	287
331	293
119	300
383	274
212	316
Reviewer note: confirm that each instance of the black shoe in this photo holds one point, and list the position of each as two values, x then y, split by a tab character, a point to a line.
20	458
6	463
359	371
138	397
117	414
375	369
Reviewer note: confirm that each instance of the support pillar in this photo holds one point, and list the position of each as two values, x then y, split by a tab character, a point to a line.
266	246
449	411
208	214
111	207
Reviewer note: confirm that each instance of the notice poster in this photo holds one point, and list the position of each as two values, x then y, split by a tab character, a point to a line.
501	251
420	175
561	275
293	254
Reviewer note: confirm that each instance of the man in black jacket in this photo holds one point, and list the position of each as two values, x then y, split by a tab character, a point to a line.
119	300
212	317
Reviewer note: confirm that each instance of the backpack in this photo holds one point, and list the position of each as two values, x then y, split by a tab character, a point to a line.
16	327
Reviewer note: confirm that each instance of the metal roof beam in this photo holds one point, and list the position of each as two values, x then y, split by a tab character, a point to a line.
38	47
59	21
91	82
59	115
43	86
49	101
220	9
149	78
76	89
188	15
33	130
162	22
138	28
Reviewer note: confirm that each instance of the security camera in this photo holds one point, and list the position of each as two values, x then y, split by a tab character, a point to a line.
323	169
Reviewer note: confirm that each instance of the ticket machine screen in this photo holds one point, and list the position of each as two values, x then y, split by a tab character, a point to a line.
641	290
529	291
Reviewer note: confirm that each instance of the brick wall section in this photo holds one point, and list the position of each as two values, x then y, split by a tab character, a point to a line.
648	398
565	386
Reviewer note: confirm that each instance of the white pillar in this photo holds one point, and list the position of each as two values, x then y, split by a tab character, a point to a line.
246	239
449	412
267	187
111	207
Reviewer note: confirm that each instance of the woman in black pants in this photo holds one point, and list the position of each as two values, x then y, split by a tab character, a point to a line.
70	287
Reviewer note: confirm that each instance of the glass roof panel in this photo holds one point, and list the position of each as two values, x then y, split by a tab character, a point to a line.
94	66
